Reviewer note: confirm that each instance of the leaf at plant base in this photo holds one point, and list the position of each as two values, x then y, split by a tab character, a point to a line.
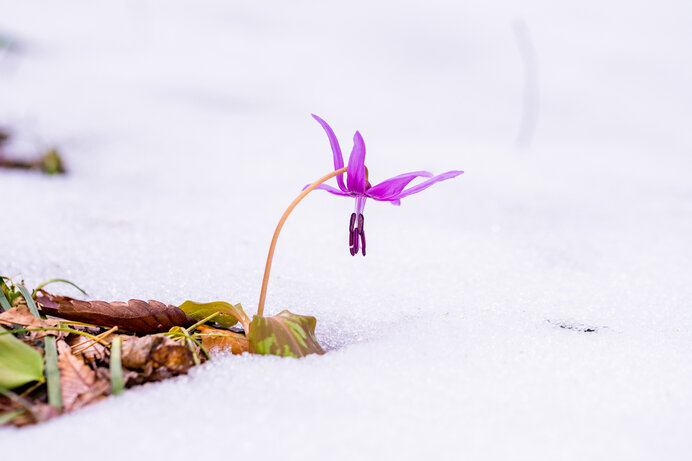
76	377
286	335
19	363
135	315
228	316
215	340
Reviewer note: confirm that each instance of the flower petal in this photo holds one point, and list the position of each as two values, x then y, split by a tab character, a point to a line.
425	184
330	189
355	175
393	186
336	150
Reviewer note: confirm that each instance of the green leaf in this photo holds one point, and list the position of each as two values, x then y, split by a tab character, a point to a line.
228	316
19	363
286	335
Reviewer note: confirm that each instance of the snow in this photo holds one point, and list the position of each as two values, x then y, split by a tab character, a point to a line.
186	129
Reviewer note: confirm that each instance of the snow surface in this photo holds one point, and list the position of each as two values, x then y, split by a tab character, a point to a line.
186	129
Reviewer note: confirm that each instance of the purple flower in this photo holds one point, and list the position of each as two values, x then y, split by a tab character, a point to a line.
358	186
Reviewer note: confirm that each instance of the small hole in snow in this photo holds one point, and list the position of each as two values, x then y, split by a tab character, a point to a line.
574	326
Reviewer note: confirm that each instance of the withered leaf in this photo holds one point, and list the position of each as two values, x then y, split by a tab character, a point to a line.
135	315
136	351
177	359
21	315
76	378
215	340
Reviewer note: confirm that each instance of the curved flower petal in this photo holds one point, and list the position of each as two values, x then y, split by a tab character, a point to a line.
355	175
393	186
336	151
425	184
395	202
330	189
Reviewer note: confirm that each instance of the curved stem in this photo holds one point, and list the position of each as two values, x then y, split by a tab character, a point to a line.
270	257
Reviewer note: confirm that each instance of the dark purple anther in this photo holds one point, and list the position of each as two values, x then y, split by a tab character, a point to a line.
356	236
362	240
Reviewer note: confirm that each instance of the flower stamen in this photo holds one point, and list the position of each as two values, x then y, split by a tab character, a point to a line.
356	234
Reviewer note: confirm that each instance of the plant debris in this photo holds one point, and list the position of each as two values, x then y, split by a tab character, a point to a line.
58	354
135	315
48	162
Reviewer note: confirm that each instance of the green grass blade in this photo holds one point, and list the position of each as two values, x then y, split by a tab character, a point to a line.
53	373
117	382
29	300
48	282
4	303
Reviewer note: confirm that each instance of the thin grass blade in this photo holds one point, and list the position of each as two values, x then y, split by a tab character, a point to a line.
4	303
117	382
53	373
48	282
29	300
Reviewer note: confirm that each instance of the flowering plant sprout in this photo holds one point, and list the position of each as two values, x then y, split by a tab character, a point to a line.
356	186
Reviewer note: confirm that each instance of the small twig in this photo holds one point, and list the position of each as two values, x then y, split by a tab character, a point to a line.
89	343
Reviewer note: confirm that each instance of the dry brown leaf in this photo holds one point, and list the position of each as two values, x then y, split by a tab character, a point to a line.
215	340
21	315
136	352
135	315
76	378
99	390
177	359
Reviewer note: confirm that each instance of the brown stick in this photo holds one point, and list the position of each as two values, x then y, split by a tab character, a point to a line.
270	257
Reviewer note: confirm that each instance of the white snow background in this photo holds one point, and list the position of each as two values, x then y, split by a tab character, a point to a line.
186	129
